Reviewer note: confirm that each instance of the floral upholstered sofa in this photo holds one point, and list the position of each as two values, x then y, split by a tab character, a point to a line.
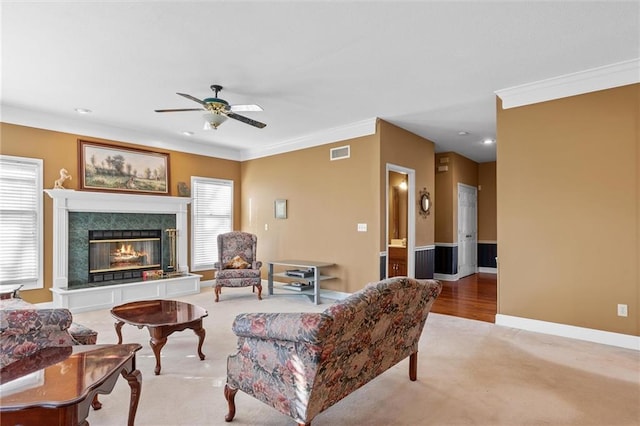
303	363
25	329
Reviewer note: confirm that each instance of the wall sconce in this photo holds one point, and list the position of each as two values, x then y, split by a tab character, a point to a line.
424	203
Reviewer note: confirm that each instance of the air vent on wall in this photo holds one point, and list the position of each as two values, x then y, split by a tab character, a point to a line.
340	153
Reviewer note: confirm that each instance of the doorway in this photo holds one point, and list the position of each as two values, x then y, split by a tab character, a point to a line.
467	230
400	220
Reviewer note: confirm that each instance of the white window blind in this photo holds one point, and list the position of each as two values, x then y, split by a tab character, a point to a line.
21	221
211	214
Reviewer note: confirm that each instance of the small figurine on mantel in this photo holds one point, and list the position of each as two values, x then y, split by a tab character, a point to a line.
59	183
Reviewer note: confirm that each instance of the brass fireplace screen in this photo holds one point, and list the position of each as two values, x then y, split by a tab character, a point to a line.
123	254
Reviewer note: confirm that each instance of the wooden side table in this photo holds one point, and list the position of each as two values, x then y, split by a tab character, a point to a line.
61	382
9	291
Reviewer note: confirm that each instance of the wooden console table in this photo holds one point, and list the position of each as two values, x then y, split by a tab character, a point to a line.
57	384
305	264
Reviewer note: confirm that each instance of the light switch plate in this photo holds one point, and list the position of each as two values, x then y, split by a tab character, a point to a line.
362	227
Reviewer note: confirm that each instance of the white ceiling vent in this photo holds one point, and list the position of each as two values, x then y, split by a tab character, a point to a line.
340	153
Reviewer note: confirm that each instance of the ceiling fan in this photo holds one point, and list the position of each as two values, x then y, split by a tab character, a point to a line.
218	110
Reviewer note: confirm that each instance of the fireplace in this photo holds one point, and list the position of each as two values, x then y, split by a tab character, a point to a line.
75	213
116	255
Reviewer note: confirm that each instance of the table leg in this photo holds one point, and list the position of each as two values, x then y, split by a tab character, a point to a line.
270	280
158	340
200	332
316	286
134	379
118	326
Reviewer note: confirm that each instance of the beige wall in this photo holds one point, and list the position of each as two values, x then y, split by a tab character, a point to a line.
403	148
464	171
327	199
60	150
568	213
487	224
443	200
460	170
325	202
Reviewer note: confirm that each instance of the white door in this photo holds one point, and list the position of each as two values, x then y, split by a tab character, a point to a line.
467	230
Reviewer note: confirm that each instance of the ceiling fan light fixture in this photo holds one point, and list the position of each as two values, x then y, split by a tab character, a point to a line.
213	120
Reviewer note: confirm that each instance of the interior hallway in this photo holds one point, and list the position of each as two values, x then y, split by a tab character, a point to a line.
473	297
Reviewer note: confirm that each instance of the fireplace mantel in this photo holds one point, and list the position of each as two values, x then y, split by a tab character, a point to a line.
65	201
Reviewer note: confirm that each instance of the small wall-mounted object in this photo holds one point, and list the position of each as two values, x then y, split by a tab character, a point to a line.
340	153
424	203
280	209
443	168
444	160
183	190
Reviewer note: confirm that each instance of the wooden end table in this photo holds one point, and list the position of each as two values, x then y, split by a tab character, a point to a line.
162	318
59	383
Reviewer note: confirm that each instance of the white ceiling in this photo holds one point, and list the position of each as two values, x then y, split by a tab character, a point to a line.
314	66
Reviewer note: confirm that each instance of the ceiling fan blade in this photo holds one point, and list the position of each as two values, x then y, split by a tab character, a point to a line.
245	108
192	98
246	120
179	110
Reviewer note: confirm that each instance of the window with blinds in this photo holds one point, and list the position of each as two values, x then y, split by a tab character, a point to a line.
211	214
21	221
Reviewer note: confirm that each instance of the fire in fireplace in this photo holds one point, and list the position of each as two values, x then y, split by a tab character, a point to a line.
123	254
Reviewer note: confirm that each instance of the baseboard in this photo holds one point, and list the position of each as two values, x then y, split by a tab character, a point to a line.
590	335
208	283
446	277
486	270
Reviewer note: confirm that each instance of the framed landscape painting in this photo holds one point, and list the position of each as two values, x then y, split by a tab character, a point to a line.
118	169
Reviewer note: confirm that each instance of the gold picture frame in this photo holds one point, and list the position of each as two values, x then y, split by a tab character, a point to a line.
112	168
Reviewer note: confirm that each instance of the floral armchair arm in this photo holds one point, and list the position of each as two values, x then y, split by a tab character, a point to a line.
294	327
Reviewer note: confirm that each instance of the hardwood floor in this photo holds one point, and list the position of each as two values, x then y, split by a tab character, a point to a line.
473	297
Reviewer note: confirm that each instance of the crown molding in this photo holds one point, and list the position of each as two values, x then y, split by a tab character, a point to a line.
335	134
58	123
41	120
591	80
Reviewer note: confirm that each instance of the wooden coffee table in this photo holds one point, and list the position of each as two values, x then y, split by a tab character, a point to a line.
162	318
57	384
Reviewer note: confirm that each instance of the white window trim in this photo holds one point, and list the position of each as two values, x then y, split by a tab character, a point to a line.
39	164
194	180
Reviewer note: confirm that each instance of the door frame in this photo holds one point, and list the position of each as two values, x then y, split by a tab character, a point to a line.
411	216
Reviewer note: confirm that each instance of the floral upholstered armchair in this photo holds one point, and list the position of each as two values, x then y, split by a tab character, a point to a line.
237	265
303	363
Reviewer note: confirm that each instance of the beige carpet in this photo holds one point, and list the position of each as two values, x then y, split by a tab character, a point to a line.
469	373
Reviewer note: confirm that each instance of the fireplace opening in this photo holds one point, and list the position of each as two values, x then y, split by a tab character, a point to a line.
123	254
